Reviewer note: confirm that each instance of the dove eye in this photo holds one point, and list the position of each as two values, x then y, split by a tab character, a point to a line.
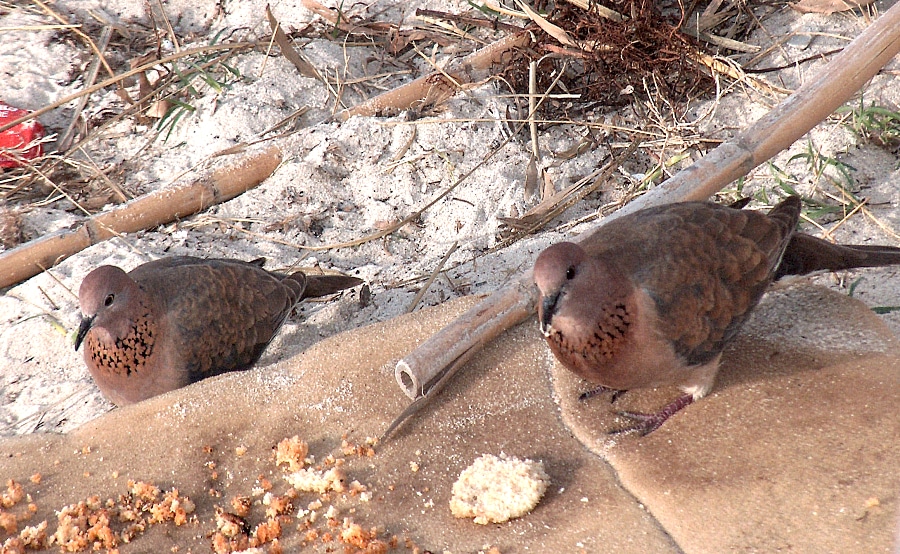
109	300
570	273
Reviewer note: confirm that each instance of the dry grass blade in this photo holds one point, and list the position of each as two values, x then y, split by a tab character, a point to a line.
881	224
559	33
603	11
287	48
723	42
554	31
828	7
333	16
494	24
551	207
66	140
418	297
731	69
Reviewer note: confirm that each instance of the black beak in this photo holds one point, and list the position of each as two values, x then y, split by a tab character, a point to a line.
85	326
547	311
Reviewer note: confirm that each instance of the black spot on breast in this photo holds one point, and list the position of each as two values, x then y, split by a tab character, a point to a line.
128	354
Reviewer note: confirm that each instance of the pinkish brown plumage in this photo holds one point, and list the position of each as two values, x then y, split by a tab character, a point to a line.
174	321
652	298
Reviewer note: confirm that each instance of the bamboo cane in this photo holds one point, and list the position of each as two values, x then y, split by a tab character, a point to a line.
439	85
147	211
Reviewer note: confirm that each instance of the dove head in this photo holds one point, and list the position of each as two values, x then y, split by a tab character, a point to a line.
575	289
555	274
107	297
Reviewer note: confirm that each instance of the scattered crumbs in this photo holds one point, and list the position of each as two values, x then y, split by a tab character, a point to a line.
30	538
360	450
245	523
496	489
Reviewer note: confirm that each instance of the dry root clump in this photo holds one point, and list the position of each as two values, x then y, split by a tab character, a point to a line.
617	60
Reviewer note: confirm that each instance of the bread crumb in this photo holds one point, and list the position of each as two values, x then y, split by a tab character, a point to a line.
240	505
144	491
332	512
366	541
496	489
36	478
9	522
267	531
278	505
13	495
173	508
230	525
292	452
358	489
312	480
224	545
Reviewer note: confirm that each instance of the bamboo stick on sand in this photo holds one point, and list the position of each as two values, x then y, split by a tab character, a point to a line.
147	211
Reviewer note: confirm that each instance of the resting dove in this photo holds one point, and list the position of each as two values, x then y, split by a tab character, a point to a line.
652	298
174	321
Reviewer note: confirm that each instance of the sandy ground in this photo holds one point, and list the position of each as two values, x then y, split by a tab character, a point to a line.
344	181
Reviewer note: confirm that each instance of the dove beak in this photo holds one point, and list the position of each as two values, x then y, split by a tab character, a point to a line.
547	311
86	323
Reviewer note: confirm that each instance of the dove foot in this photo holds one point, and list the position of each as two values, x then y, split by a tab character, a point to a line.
616	393
644	424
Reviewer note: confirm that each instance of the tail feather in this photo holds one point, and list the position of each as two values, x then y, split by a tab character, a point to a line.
323	285
805	254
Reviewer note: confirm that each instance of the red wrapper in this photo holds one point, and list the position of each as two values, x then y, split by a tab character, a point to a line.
20	142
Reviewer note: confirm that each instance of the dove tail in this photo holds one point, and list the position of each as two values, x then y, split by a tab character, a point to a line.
805	254
323	285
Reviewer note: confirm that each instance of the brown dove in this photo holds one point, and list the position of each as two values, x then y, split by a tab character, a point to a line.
652	298
174	321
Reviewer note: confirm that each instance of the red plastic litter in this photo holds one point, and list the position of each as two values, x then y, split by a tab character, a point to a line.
13	141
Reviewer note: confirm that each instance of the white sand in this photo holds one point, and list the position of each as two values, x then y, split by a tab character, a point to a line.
341	183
